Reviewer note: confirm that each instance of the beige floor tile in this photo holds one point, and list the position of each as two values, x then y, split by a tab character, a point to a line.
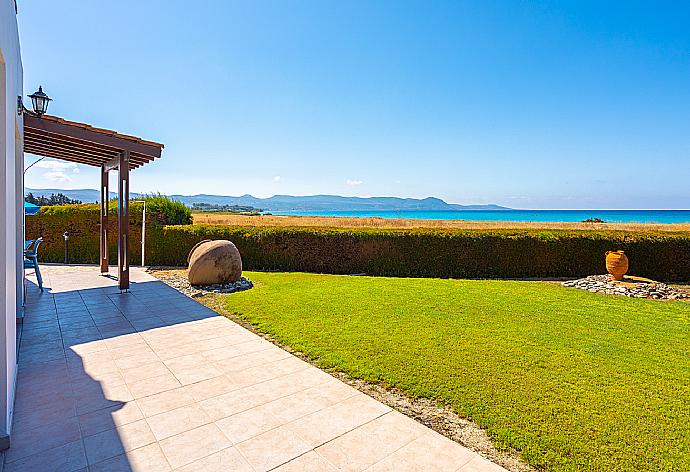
165	401
197	374
431	451
177	421
144	459
126	341
88	347
236	401
43	438
28	416
145	357
273	448
83	380
187	362
144	372
372	442
249	423
480	464
211	388
96	399
154	385
132	349
95	367
250	360
309	462
225	405
108	418
67	458
300	380
114	442
336	420
193	445
224	461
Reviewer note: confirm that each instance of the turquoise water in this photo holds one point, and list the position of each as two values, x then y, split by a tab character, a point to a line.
609	216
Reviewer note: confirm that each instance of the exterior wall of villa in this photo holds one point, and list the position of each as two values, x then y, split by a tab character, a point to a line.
11	209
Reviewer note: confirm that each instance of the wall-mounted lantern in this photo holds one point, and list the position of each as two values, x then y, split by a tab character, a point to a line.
39	101
20	105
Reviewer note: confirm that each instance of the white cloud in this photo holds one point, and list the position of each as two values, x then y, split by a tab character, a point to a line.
57	176
354	182
55	165
277	178
57	170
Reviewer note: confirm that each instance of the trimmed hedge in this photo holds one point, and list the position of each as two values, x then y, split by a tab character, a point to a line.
400	253
83	224
436	253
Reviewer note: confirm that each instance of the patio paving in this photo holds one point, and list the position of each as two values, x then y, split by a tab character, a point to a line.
153	381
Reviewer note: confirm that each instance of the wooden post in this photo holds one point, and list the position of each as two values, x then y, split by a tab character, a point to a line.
104	221
123	221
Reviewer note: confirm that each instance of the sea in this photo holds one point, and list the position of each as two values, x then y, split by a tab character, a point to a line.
609	216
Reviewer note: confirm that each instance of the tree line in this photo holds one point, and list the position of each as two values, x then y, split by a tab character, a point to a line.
54	199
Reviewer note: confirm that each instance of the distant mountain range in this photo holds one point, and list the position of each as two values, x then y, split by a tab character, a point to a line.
293	203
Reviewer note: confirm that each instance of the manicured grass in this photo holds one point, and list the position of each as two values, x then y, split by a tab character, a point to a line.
573	380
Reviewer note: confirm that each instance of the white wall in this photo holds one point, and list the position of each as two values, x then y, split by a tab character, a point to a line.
11	172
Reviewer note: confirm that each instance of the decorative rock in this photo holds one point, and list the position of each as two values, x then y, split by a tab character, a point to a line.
214	262
632	287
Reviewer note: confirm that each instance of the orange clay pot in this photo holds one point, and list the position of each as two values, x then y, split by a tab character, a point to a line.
617	264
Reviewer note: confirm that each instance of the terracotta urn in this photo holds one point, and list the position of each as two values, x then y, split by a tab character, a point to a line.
616	264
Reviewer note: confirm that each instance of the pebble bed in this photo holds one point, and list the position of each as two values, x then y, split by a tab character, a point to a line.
181	284
629	288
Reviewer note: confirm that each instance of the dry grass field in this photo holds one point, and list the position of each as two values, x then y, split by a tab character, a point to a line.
342	222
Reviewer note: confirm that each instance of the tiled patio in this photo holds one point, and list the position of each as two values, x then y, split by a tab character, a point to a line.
153	381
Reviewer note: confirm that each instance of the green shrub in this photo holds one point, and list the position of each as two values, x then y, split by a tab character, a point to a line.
165	210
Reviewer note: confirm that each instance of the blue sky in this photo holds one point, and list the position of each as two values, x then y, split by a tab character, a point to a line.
580	104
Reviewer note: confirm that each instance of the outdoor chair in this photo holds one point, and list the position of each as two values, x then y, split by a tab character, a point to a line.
31	261
27	244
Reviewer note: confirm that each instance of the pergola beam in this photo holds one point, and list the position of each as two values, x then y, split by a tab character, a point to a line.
70	156
85	146
91	135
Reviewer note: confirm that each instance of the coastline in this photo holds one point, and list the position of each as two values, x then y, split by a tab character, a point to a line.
409	223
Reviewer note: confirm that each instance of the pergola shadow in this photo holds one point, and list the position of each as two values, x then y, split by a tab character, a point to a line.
74	404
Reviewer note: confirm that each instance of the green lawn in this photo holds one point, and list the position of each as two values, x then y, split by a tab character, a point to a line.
573	380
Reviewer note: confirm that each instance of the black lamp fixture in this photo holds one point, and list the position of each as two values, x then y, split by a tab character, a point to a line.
39	101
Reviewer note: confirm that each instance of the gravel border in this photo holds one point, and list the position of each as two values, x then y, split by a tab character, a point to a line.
181	283
632	287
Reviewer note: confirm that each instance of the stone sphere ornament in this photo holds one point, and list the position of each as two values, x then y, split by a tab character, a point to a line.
214	262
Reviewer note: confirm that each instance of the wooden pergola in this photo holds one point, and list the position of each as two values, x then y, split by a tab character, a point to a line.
51	136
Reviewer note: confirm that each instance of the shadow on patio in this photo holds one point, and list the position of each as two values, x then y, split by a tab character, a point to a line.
82	362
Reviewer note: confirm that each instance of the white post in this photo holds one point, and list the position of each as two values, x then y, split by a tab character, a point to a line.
143	229
143	233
